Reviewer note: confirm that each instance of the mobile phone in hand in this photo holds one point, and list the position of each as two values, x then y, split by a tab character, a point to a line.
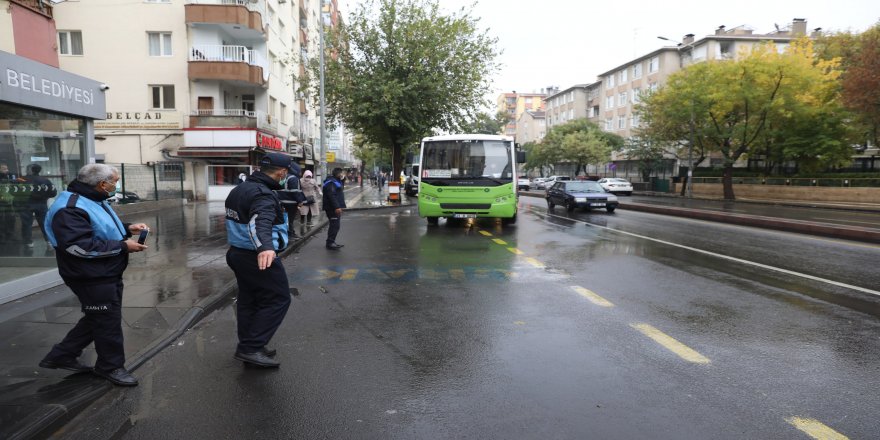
143	237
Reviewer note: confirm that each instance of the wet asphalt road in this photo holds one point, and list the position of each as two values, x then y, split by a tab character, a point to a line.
477	331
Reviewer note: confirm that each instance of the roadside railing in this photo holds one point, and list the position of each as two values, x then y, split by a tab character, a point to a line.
830	182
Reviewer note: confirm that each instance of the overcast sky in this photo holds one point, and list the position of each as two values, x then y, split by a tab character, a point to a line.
567	42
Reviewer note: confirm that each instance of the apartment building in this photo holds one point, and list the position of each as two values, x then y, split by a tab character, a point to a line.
199	87
514	104
530	127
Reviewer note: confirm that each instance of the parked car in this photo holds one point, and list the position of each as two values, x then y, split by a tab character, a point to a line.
580	194
538	183
553	179
522	184
129	197
617	185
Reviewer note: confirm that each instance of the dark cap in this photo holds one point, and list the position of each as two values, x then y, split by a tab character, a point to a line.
275	160
294	167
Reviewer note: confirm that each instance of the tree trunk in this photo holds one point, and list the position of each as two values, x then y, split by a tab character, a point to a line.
396	161
684	185
727	181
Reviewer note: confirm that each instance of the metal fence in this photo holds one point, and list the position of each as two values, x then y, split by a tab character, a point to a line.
833	182
159	181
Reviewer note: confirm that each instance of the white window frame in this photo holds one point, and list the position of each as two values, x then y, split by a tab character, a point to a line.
635	95
609	101
622	99
637	70
654	65
69	46
623	76
165	44
621	122
610	80
609	124
162	91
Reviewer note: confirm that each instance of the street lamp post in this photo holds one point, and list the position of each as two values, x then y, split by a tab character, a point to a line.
322	152
688	185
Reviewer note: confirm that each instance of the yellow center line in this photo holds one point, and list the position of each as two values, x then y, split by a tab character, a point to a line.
535	263
592	296
486	233
499	241
515	251
671	344
815	429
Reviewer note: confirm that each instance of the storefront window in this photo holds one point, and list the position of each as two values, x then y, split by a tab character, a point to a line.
40	153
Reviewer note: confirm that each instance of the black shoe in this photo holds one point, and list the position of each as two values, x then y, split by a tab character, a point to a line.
271	352
69	365
119	376
259	359
335	246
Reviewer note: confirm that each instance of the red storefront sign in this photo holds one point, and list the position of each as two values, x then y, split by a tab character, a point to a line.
269	142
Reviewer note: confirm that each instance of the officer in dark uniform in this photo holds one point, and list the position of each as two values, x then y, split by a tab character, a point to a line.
292	197
256	228
333	203
92	247
41	190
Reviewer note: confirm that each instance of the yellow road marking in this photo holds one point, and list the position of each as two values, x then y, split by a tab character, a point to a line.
327	274
486	233
535	263
456	274
349	274
519	322
592	296
671	344
515	251
815	429
499	241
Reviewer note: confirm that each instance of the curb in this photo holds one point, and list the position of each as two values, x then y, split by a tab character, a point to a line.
856	233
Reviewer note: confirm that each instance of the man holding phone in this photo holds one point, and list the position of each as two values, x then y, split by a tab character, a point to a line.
92	247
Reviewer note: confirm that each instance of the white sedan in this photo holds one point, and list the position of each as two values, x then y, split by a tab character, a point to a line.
616	185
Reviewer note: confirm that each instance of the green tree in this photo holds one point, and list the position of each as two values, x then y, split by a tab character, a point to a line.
734	108
484	123
402	68
647	154
579	141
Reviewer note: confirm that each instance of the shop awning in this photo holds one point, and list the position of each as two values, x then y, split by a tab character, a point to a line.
213	152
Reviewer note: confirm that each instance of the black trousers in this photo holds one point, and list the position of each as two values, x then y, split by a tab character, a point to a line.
333	228
102	323
292	212
33	209
263	298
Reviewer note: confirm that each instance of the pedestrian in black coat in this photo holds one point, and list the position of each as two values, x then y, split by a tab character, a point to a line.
333	204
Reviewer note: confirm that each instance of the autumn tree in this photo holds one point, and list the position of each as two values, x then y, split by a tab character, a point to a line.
734	107
579	141
402	69
484	123
861	82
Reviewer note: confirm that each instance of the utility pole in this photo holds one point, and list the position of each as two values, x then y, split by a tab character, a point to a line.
688	185
322	155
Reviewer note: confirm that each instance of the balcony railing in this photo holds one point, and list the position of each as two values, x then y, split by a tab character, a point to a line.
226	54
206	118
223	112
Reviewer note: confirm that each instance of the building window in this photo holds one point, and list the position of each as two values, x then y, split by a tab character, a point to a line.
571	114
635	97
272	104
654	65
571	96
652	87
610	81
622	98
609	124
70	43
623	75
170	171
637	71
634	122
162	97
621	122
283	113
160	44
528	101
609	102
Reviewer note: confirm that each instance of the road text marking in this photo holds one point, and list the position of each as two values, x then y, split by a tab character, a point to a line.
815	429
671	344
592	296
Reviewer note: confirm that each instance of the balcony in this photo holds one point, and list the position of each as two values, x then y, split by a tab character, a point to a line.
235	64
242	19
37	6
232	118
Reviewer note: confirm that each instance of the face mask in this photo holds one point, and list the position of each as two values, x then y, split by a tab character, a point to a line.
111	193
282	180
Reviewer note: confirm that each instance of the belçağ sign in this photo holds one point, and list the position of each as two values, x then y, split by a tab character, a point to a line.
27	82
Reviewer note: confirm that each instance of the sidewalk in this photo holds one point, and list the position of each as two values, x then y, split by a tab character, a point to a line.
168	288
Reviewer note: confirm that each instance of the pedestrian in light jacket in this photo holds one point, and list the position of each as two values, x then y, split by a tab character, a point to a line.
312	192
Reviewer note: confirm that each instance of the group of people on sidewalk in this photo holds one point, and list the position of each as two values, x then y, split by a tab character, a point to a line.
92	247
